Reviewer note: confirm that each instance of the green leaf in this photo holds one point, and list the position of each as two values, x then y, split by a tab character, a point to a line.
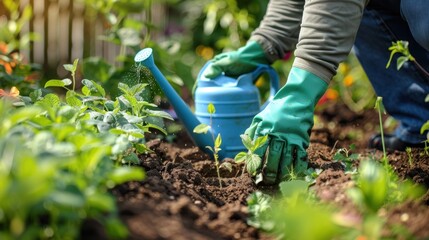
162	114
424	127
338	157
85	90
142	148
137	134
71	68
211	108
401	61
131	158
51	100
154	126
247	142
210	148
68	67
125	174
218	141
259	142
36	95
240	157
67	81
94	87
72	99
227	166
55	83
253	163
202	128
117	131
427	98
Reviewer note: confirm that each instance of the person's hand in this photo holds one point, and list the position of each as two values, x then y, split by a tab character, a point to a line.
287	120
235	63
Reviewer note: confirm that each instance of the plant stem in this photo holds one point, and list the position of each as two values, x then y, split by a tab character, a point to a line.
215	152
382	133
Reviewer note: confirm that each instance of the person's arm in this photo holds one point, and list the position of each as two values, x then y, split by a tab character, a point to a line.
325	35
279	30
328	32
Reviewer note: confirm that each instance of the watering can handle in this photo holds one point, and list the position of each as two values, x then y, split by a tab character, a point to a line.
274	80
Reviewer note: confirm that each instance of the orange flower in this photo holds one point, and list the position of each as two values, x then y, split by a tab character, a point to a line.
3	47
331	94
7	66
13	93
348	80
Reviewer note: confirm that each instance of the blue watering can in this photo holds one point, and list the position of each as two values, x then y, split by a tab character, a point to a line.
236	100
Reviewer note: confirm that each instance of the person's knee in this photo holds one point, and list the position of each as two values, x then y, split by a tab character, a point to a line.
417	17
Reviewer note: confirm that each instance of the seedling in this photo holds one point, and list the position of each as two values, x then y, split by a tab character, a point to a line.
204	128
252	161
347	158
410	156
379	106
400	47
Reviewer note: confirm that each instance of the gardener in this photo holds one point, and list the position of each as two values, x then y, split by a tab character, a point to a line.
322	34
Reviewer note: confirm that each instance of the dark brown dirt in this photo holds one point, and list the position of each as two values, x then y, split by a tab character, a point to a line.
181	197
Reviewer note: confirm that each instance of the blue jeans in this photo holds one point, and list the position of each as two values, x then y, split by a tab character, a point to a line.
403	91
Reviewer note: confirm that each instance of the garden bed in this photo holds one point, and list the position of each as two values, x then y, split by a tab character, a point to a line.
180	197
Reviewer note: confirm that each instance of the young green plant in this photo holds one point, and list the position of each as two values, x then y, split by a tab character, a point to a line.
379	106
204	128
252	161
347	158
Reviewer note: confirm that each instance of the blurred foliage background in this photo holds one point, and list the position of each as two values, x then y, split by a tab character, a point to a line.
189	33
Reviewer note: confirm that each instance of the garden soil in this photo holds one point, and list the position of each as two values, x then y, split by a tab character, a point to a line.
181	198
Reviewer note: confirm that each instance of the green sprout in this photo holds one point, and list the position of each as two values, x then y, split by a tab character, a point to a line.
379	106
204	128
400	47
410	156
252	161
347	158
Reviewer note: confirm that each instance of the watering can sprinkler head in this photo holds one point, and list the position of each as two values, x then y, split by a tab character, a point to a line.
145	57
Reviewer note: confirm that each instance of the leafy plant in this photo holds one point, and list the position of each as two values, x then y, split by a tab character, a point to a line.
258	204
129	116
347	158
252	161
286	217
61	154
56	172
400	47
378	186
204	128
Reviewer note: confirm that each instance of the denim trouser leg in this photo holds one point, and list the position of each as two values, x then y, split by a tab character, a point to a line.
403	91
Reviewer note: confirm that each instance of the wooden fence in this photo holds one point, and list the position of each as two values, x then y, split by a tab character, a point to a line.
66	34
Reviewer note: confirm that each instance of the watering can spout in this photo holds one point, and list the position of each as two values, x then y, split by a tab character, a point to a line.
189	120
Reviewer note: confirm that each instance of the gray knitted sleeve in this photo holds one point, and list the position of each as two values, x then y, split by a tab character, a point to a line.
323	32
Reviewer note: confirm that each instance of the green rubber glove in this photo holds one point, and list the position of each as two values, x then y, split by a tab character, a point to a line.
287	120
235	63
